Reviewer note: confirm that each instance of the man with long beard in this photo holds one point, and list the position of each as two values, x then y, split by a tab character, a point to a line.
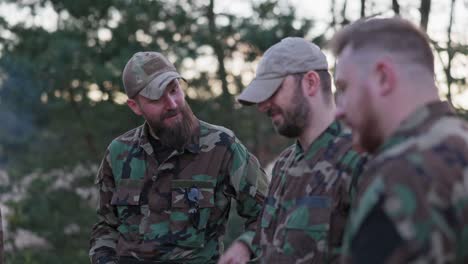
165	187
309	196
412	199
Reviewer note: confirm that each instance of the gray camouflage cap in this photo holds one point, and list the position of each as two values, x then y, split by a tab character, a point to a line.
148	74
289	56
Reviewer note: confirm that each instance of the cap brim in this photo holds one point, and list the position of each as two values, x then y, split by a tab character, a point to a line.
259	90
155	89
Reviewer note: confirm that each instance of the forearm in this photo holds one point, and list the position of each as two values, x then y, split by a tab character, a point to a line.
104	238
247	238
103	244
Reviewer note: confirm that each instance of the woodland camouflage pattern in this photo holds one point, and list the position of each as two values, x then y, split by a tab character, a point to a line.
412	201
308	201
144	206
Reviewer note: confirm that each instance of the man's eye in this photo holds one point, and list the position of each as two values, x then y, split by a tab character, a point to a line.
340	89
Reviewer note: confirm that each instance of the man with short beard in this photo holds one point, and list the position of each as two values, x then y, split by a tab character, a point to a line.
309	196
412	200
165	187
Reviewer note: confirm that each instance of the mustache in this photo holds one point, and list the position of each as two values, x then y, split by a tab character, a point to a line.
272	112
170	113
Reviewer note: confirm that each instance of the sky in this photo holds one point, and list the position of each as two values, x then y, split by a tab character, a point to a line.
319	11
437	28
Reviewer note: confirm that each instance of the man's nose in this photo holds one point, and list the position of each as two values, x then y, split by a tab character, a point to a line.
340	112
171	102
263	106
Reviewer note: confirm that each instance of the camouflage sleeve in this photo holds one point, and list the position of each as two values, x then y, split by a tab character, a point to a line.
396	205
250	183
351	163
358	165
255	246
389	205
406	210
104	234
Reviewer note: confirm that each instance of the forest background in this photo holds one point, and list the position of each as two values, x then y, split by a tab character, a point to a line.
62	101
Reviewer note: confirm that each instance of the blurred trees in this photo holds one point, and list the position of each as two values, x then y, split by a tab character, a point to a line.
63	103
61	99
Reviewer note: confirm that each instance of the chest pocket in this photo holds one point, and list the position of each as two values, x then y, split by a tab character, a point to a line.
192	203
126	199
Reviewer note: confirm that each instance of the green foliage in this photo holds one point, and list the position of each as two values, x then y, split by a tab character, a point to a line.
52	123
53	209
271	24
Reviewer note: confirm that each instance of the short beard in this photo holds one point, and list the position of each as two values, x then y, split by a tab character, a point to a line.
296	117
370	136
180	133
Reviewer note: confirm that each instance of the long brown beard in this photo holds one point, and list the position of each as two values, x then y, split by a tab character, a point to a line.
180	133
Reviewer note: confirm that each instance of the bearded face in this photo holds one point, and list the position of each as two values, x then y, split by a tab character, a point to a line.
365	126
356	101
293	116
174	127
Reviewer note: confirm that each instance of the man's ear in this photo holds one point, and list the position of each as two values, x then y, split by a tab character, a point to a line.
133	104
385	76
312	83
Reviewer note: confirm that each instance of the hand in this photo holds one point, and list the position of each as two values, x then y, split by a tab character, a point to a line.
238	253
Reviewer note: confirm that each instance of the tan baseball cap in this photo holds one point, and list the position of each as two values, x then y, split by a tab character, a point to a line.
148	74
289	56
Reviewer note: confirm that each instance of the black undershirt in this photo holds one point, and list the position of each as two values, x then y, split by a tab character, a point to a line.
161	152
376	240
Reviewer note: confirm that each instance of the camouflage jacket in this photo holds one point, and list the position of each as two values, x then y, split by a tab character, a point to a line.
412	201
308	200
175	211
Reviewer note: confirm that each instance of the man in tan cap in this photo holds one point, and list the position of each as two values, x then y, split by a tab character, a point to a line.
165	187
309	196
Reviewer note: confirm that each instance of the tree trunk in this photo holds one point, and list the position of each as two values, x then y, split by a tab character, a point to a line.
332	11
345	21
425	9
219	53
363	8
451	55
396	7
87	135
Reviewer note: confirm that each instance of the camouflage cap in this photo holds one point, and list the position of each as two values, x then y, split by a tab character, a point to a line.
148	74
289	56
